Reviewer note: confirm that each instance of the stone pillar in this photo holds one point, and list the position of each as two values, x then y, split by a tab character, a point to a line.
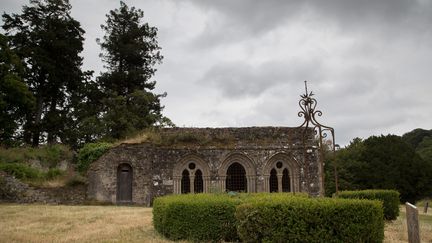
222	186
266	183
206	183
279	178
251	181
192	183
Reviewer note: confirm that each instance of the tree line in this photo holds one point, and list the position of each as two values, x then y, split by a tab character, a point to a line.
46	96
403	163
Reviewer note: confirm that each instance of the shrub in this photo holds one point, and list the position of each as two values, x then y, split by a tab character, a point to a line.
310	220
198	217
203	217
89	153
389	198
21	171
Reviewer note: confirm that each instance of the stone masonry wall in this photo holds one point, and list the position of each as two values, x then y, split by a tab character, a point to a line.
153	165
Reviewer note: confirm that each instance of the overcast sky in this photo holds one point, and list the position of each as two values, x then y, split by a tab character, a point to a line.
242	63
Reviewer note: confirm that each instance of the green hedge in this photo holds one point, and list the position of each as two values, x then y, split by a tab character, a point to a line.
311	220
196	217
278	217
390	199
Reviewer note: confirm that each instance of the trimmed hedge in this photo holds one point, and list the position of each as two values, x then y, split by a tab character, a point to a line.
198	217
264	217
390	199
311	220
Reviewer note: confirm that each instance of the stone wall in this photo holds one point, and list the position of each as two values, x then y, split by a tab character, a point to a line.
157	168
13	190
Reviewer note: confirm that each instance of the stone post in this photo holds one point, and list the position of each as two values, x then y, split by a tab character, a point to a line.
412	223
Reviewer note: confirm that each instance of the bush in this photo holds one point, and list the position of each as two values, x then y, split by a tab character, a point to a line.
310	220
389	198
203	217
21	171
89	153
198	217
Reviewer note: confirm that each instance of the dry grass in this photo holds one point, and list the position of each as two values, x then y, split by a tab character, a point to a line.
47	223
396	231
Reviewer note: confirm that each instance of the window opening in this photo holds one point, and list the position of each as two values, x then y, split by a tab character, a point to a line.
198	182
192	166
236	178
185	182
273	181
279	164
286	181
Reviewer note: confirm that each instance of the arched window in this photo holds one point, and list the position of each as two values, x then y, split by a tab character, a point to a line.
124	183
198	182
273	181
236	178
191	175
286	187
185	182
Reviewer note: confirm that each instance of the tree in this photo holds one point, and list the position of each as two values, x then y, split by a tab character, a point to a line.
49	41
384	162
130	51
15	98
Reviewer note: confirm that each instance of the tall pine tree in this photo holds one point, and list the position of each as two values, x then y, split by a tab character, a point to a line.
49	41
15	98
130	51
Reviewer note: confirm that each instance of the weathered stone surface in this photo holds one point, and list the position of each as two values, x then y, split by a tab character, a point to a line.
13	190
157	168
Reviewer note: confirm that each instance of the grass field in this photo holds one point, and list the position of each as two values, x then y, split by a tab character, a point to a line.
45	223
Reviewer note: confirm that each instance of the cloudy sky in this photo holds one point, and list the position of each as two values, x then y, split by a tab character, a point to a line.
242	63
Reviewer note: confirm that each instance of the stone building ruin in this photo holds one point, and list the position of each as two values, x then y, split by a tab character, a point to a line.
205	160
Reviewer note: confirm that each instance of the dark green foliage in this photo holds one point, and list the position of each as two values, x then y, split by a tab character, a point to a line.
197	217
89	153
416	136
390	199
279	217
384	162
310	220
21	171
49	41
131	52
15	98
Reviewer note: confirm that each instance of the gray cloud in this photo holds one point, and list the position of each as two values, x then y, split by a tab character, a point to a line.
242	63
240	79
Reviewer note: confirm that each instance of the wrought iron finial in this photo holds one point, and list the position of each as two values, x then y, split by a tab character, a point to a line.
312	127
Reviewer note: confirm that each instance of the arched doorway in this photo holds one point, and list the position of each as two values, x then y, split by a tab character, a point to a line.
124	183
236	178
